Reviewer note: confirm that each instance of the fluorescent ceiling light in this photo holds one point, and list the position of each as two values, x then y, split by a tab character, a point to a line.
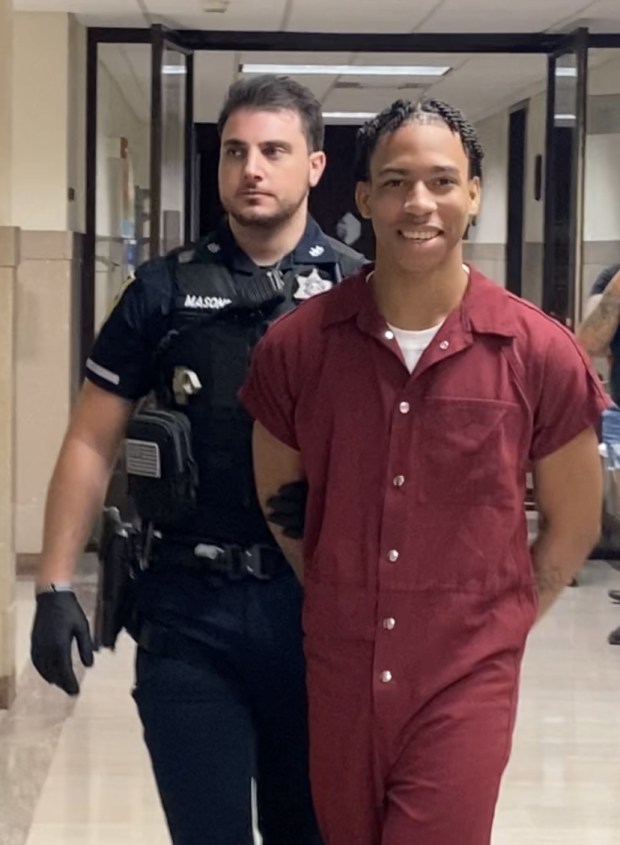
566	71
174	70
350	115
565	116
348	70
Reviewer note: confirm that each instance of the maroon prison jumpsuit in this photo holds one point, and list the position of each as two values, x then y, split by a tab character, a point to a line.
419	588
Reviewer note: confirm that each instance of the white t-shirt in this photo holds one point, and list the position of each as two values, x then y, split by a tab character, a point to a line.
413	344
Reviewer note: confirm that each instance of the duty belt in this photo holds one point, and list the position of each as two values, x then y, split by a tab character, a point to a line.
228	560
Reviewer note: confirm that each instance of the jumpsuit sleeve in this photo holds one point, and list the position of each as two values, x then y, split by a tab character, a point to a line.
122	358
571	396
269	394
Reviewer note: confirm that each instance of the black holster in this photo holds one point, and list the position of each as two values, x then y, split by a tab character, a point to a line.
119	559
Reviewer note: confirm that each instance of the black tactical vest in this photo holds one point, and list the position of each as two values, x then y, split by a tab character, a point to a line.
214	325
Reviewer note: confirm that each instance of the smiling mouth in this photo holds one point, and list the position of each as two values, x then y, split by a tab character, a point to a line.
419	236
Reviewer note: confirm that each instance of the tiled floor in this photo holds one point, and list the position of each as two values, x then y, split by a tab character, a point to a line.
100	789
562	785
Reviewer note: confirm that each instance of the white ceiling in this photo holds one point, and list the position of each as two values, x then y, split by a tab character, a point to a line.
479	84
401	16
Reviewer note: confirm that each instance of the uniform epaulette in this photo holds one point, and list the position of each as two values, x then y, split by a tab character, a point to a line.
184	254
342	249
349	260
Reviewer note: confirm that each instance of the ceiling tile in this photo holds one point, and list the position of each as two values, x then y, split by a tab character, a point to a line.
361	16
604	72
476	83
502	16
258	15
115	13
295	58
368	16
602	16
129	66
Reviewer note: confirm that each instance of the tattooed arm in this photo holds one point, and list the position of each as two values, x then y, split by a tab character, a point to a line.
598	328
568	489
276	464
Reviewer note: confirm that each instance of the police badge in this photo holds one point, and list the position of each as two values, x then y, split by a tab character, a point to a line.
311	284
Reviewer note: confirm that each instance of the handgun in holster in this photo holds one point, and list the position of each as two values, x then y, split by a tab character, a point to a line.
118	568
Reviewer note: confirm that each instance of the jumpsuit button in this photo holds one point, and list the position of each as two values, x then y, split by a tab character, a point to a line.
393	556
386	677
404	407
399	481
389	624
389	335
444	344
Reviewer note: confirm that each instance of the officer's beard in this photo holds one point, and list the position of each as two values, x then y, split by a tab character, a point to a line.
265	222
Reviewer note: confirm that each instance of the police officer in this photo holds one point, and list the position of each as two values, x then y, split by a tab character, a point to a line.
220	685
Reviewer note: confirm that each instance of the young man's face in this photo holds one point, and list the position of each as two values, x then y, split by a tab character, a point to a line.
266	168
419	196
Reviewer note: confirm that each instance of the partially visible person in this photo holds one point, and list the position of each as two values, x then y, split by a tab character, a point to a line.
599	334
412	398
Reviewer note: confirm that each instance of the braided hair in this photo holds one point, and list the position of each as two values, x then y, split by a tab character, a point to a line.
422	111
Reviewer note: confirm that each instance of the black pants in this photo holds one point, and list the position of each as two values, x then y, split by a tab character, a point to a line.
221	695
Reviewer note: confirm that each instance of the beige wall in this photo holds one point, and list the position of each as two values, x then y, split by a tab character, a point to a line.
49	92
40	121
8	261
46	347
492	221
76	148
6	96
486	246
9	257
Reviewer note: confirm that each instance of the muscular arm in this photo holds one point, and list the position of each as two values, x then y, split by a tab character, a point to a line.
568	487
276	464
77	490
598	328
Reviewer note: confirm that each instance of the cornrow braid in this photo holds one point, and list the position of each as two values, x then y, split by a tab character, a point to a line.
422	111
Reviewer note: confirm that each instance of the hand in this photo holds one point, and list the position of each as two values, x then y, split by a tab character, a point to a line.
288	509
59	620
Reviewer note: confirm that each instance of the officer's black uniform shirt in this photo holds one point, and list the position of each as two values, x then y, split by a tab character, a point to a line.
121	361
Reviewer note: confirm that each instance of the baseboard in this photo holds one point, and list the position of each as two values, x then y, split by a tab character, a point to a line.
26	565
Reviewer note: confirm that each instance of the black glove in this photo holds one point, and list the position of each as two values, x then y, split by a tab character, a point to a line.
58	620
288	509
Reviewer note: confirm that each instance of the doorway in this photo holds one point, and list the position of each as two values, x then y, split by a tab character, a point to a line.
165	208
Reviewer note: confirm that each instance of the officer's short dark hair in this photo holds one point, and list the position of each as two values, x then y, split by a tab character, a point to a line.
422	111
268	92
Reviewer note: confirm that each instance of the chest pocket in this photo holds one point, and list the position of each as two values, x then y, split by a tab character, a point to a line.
468	451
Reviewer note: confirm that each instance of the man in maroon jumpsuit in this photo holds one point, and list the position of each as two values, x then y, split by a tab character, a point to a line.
412	397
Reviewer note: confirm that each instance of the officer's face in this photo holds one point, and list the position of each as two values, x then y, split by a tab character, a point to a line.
419	197
266	168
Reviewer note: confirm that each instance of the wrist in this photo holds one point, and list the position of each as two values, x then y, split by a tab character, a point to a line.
55	570
43	587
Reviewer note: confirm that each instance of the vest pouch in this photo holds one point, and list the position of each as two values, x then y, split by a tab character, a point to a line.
162	475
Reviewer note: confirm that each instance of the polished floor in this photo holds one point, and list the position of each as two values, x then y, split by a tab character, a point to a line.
75	772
